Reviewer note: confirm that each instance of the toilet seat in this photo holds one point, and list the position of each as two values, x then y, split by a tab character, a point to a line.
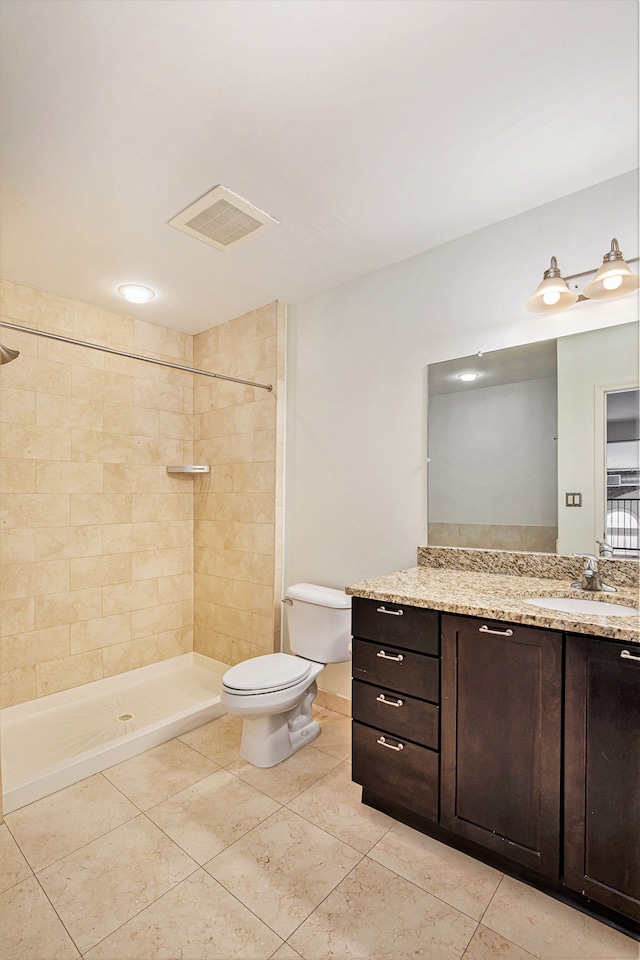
267	674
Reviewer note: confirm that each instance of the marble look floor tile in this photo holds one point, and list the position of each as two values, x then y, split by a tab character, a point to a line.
107	882
459	880
286	953
13	866
375	913
289	778
212	814
552	930
218	740
283	869
334	804
197	920
55	826
335	734
30	929
488	945
159	773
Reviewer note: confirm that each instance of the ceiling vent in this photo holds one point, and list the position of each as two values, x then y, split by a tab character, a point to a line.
222	219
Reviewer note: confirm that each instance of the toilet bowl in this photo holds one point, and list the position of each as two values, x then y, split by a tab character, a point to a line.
274	694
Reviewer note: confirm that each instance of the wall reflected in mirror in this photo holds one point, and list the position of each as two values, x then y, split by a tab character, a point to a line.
623	473
518	455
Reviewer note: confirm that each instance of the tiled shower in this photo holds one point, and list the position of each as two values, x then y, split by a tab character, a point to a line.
109	563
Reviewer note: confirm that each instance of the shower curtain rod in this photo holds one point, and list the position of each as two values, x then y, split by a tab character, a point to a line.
133	356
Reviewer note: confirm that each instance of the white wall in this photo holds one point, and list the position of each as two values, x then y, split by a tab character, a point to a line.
493	455
355	489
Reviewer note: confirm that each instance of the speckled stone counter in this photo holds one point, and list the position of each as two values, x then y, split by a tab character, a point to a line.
500	595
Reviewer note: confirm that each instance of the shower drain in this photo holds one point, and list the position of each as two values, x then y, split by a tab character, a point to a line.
124	717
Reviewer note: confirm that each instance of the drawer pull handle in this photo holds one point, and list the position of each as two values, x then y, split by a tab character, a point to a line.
389	703
625	656
391	746
385	656
392	613
499	633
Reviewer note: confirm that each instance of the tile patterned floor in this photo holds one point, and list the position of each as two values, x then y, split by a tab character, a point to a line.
189	853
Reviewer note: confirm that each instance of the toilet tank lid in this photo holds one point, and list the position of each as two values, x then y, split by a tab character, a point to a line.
322	596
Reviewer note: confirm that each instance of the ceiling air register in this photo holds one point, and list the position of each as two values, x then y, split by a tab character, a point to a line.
222	219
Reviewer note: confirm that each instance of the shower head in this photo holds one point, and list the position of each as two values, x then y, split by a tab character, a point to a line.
7	355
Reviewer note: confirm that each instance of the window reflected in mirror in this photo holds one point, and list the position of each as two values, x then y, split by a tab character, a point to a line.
623	474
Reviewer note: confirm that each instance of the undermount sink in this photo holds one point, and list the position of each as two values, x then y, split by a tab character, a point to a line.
579	605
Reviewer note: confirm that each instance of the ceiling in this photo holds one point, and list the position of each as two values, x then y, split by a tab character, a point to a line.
370	129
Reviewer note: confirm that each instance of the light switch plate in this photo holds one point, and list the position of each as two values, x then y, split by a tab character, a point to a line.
573	499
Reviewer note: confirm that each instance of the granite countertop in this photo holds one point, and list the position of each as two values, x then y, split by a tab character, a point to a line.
499	596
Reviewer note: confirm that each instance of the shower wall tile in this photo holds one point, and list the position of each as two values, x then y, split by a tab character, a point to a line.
17	616
25	510
104	509
99	571
17	546
61	477
55	675
103	632
16	476
17	406
130	655
30	307
52	411
97	545
54	609
237	430
23	650
18	685
68	542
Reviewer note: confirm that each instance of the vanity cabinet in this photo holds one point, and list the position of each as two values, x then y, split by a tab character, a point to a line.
519	745
396	691
501	738
602	773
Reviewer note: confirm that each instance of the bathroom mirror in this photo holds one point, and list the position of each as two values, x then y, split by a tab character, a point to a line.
517	456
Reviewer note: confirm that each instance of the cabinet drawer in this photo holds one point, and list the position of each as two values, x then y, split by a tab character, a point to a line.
396	769
399	714
401	670
413	628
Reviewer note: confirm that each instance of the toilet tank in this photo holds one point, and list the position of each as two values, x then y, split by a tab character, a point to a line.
319	622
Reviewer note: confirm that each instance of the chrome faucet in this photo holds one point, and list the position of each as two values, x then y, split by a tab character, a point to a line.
591	578
605	549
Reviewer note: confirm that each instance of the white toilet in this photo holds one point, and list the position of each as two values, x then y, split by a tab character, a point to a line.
273	694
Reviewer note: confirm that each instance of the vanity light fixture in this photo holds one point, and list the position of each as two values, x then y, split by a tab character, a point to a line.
613	279
135	293
468	377
552	293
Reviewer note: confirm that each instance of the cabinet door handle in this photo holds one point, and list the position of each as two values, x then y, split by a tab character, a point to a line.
392	746
625	656
392	613
389	703
499	633
385	656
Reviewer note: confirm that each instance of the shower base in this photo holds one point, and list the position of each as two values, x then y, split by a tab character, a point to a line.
54	741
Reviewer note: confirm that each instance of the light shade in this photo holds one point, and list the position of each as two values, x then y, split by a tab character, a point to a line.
614	278
552	293
135	293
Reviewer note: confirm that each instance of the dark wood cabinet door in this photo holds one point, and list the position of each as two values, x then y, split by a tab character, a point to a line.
602	773
501	738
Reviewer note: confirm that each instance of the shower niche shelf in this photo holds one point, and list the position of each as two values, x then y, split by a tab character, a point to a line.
190	468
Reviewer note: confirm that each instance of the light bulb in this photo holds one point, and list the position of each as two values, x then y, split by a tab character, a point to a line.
135	293
551	297
468	377
612	283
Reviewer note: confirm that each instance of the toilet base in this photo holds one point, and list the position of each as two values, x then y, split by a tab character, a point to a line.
269	740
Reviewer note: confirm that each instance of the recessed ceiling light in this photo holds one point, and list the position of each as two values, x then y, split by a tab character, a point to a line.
468	377
135	293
